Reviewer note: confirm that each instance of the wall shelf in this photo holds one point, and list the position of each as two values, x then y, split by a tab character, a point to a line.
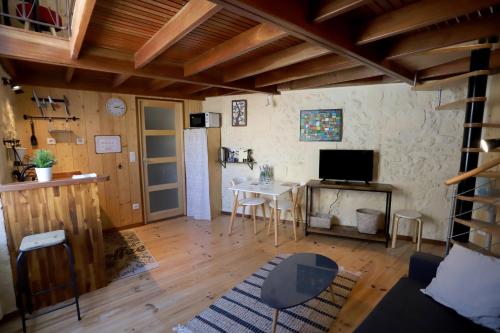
249	163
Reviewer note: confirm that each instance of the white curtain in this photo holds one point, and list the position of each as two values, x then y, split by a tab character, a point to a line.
197	182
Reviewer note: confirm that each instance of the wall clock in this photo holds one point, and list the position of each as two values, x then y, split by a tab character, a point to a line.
116	107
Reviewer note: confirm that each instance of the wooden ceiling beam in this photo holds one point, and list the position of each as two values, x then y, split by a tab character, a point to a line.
291	16
120	79
289	56
456	67
8	67
40	48
381	79
356	73
322	65
417	15
81	17
70	71
455	34
328	9
160	84
194	13
247	41
195	89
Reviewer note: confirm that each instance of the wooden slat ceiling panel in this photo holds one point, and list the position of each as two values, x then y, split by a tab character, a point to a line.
374	9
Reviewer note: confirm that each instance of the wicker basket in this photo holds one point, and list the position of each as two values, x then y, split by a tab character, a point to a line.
368	220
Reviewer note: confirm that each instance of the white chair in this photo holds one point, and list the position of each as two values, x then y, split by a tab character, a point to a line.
411	215
251	202
292	206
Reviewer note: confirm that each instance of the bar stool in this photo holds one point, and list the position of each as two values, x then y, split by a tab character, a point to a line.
411	215
24	295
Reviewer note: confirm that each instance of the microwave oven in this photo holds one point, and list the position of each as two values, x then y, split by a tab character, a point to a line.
204	119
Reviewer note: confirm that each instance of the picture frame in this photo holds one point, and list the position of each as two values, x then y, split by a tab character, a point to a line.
321	125
106	144
239	112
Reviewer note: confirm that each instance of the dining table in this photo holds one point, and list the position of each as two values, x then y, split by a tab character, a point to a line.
274	189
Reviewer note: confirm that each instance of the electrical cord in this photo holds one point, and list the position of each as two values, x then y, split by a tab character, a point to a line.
331	210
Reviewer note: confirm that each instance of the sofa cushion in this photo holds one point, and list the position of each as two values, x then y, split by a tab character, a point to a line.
469	283
406	309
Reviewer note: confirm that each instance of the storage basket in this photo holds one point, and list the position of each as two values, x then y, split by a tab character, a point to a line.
320	221
368	220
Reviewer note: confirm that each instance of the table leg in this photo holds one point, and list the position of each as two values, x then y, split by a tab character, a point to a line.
388	201
275	320
233	213
276	212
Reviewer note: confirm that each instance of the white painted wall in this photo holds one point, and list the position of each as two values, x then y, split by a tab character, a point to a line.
418	147
7	130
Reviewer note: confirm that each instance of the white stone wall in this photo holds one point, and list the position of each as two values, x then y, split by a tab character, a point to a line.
418	148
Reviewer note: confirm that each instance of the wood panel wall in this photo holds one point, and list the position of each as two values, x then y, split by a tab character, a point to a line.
124	188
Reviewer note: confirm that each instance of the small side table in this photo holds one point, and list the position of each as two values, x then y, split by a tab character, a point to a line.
411	215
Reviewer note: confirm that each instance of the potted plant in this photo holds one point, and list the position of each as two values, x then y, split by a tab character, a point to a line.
43	161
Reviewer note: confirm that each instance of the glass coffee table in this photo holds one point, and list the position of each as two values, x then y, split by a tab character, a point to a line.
296	280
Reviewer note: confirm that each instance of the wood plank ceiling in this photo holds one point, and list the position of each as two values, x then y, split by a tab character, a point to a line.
201	48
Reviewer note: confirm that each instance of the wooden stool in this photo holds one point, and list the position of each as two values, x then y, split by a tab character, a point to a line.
24	296
412	215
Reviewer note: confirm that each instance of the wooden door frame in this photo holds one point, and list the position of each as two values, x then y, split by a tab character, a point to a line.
140	153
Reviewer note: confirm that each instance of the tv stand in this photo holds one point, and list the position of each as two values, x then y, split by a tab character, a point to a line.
348	231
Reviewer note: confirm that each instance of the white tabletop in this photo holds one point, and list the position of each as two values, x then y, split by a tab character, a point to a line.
275	188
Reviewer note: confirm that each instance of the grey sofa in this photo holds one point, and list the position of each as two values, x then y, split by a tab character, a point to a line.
405	309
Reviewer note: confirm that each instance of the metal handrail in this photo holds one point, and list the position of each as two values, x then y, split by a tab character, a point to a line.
26	16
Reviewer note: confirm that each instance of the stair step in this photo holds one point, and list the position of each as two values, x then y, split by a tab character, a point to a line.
489	125
479	150
439	84
481	199
474	247
460	103
491	228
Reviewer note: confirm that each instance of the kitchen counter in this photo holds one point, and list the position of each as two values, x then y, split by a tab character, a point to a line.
69	204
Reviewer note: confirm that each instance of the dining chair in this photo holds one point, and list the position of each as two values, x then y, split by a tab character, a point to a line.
292	206
251	202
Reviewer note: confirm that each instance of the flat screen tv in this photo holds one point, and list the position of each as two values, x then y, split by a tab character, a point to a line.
346	165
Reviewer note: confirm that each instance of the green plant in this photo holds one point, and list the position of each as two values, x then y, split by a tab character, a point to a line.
43	159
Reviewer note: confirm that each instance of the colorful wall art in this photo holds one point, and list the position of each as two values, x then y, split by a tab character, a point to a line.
321	125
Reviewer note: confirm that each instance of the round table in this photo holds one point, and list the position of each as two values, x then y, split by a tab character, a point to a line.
296	280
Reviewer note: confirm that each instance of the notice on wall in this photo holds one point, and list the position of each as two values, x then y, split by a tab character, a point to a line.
105	144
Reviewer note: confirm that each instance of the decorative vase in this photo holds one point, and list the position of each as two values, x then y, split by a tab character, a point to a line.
44	174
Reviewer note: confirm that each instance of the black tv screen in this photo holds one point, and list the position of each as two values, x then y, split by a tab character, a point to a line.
355	165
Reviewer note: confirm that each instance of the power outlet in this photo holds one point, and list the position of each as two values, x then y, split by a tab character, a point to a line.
135	206
51	141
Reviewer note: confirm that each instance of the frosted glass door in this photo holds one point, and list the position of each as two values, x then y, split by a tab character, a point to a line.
163	172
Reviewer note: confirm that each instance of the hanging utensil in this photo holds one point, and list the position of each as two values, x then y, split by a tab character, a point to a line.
66	104
34	141
38	103
52	103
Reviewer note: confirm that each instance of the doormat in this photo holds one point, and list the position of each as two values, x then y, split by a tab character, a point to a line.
241	310
126	255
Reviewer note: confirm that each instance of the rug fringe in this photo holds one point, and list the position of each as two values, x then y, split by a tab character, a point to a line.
181	329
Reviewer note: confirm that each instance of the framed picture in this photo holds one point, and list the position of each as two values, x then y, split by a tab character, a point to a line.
105	144
321	125
239	112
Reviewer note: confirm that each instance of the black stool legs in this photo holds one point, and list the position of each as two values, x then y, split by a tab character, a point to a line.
24	298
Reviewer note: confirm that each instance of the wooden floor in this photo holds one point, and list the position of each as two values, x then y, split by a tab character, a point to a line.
199	263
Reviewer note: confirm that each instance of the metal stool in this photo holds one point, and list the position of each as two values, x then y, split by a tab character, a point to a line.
24	295
411	215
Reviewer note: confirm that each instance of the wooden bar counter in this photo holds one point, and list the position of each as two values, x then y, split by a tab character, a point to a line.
69	204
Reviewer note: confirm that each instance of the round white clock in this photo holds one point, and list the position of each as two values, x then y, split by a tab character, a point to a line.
116	107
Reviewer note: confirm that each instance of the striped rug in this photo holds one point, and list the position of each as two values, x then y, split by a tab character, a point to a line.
241	310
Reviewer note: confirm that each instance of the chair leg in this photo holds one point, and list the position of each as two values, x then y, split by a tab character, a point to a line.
395	222
270	221
415	232
233	213
275	320
73	278
254	210
263	206
294	226
419	234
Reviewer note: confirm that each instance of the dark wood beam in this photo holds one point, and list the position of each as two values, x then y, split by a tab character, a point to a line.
291	16
381	79
81	17
195	89
40	48
120	79
417	15
160	84
356	73
289	56
456	67
70	71
328	9
194	13
322	65
455	34
247	41
8	67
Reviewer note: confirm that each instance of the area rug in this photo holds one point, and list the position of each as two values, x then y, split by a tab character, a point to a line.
241	310
126	255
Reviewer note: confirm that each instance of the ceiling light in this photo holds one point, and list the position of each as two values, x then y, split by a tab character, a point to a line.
16	88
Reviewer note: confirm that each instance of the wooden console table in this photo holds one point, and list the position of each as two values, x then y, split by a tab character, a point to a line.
348	231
